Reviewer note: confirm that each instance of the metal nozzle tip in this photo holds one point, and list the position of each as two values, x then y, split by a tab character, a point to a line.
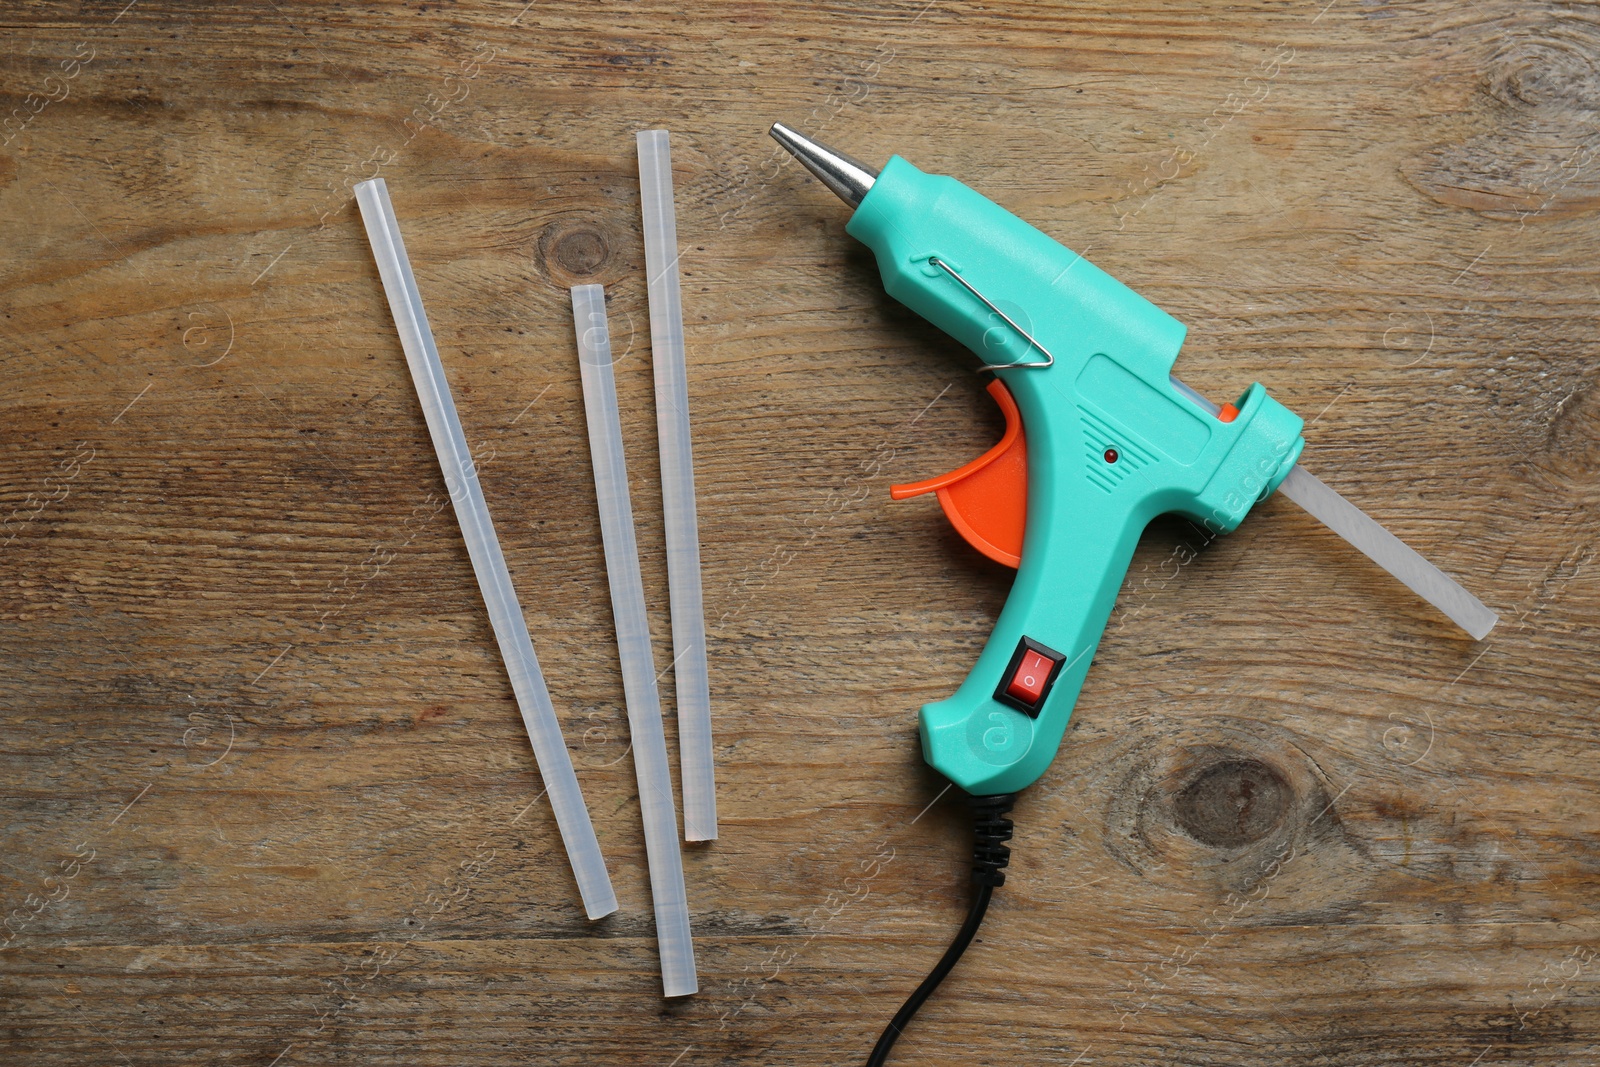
848	178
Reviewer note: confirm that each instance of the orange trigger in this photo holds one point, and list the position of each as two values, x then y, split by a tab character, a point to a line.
987	500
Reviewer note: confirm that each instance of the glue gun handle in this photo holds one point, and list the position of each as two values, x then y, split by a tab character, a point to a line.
992	736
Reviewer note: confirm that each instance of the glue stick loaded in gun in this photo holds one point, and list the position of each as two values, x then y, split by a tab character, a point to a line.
1100	439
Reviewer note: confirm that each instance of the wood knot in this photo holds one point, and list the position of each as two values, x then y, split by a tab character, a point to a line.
1550	72
1232	803
581	252
1531	158
576	252
1223	800
585	248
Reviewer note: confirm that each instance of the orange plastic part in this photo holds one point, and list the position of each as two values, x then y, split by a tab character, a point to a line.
987	500
1228	413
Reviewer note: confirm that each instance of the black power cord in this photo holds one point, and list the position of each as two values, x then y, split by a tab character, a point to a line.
990	854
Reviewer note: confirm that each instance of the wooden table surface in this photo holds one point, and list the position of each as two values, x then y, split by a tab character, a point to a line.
266	797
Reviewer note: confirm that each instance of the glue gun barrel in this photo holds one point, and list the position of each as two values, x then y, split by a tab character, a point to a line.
848	178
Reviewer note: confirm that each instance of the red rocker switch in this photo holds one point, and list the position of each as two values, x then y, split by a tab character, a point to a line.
1028	678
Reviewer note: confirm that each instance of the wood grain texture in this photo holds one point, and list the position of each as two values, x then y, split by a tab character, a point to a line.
265	795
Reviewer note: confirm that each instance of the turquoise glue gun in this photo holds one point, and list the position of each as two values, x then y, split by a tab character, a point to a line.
1100	438
1083	364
